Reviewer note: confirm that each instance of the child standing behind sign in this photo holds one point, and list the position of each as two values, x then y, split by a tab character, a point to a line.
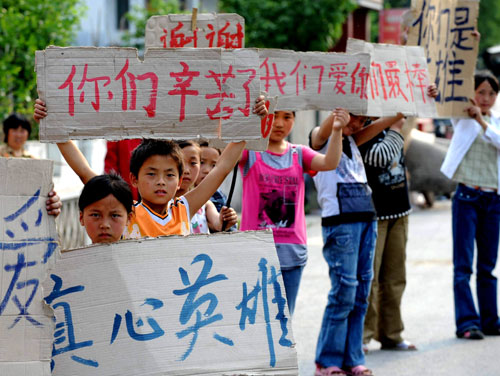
155	169
273	192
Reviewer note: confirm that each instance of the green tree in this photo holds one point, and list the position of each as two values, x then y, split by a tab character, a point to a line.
301	25
139	16
27	26
489	24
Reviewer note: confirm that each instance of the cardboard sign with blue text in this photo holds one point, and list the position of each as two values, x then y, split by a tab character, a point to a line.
196	305
444	28
28	248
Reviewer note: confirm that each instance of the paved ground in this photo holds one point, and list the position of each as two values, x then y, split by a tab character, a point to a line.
427	307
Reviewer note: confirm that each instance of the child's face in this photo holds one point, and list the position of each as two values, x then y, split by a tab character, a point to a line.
485	97
191	157
104	220
282	125
354	125
209	157
16	137
157	181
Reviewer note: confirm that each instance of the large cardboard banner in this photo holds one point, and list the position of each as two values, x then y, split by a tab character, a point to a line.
315	80
182	93
443	28
226	30
398	79
196	305
28	247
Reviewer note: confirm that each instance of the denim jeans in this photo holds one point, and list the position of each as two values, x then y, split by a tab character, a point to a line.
476	215
348	249
291	280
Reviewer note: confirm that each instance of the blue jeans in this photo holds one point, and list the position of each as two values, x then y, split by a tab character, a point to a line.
348	249
476	216
291	280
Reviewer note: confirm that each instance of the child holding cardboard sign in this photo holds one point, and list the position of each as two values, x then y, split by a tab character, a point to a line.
156	168
207	218
273	192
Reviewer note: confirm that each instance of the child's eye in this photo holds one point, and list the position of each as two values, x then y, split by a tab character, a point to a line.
194	163
170	175
94	215
116	215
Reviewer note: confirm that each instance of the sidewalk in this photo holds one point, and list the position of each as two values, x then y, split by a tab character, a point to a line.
427	307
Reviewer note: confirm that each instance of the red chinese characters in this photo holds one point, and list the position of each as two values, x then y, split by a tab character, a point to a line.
123	75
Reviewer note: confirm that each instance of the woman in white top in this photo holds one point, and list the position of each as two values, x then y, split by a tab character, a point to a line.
473	160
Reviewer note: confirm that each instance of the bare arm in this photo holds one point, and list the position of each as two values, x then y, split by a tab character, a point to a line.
215	219
198	196
367	133
69	150
329	161
319	135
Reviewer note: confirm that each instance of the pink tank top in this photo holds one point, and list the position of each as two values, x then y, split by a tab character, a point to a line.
274	198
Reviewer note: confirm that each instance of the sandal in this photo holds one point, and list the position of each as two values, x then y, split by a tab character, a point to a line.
330	371
360	370
401	346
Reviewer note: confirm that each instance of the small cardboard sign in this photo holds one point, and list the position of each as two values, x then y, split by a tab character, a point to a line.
444	28
28	247
226	30
174	93
398	79
196	305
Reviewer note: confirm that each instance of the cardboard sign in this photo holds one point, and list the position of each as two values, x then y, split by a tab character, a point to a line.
212	30
398	79
180	94
28	247
196	305
443	28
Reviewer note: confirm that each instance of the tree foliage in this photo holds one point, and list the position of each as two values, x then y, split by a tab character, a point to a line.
139	16
301	25
27	26
489	24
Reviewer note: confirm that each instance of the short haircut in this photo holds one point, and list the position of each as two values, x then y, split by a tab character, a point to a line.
148	148
101	186
15	121
486	75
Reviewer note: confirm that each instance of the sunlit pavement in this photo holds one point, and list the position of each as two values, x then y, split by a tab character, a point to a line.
427	307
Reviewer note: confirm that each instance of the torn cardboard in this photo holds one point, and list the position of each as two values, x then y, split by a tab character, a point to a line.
398	79
226	30
444	28
196	305
28	246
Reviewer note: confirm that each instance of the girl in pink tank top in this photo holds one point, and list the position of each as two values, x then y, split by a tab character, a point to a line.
273	192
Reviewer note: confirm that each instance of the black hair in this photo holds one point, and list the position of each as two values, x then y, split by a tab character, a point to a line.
101	186
14	121
185	143
205	144
148	147
486	75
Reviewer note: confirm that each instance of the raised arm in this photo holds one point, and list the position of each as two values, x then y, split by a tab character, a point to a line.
330	160
198	196
367	133
73	156
320	135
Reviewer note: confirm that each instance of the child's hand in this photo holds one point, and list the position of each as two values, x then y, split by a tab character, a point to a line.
474	111
229	216
260	106
432	91
342	118
40	110
53	204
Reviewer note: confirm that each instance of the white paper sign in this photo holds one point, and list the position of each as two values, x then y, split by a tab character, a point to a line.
196	305
226	30
398	79
28	247
175	93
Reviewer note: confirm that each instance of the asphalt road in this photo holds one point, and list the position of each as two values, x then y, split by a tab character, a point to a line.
427	307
